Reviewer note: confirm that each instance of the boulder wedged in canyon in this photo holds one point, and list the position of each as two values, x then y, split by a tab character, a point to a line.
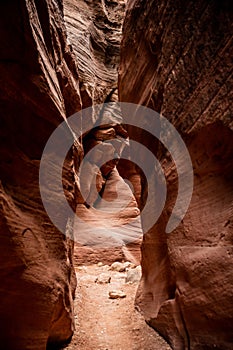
176	58
39	88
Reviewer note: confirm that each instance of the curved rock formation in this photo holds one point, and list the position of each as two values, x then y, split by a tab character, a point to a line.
107	215
176	58
41	75
94	30
39	88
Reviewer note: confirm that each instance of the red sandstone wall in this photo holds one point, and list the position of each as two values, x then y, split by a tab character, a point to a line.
176	58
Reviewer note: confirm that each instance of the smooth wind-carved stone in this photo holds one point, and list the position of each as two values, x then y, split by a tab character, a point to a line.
39	88
177	59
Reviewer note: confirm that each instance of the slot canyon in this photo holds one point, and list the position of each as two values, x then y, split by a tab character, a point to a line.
110	276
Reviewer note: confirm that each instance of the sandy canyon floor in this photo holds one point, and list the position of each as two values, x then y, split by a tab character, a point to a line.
109	324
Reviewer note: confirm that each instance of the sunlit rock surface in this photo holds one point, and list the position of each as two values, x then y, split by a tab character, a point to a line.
94	32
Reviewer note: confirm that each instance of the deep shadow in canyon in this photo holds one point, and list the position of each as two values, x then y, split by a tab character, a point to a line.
59	57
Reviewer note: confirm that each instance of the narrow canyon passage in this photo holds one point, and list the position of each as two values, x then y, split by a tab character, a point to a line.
102	104
110	324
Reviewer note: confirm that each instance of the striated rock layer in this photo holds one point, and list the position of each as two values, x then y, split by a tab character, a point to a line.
107	215
39	88
94	30
176	58
41	75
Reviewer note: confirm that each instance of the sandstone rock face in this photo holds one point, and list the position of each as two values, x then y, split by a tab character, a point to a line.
39	88
41	75
94	30
177	59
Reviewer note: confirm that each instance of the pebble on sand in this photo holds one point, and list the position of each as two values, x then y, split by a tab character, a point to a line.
116	294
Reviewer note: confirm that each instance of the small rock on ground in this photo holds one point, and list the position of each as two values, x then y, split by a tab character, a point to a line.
133	275
116	294
121	267
103	278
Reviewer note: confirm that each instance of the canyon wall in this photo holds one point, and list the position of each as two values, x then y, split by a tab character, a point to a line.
94	30
176	58
39	88
56	57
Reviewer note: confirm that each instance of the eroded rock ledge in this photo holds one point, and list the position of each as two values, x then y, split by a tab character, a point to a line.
176	58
